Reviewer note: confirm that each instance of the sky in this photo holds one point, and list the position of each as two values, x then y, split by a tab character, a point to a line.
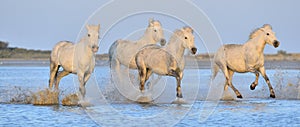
39	25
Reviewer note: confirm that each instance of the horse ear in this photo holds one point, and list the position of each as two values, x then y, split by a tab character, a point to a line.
188	29
98	26
151	22
267	26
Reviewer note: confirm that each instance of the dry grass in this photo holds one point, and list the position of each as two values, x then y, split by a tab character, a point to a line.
46	97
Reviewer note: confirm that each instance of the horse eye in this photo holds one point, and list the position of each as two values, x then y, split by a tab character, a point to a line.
89	35
185	37
155	30
268	34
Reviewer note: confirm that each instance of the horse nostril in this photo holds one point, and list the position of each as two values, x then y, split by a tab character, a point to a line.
95	47
162	42
194	50
276	43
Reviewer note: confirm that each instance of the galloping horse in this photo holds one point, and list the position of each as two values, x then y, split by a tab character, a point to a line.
75	58
248	57
123	51
166	60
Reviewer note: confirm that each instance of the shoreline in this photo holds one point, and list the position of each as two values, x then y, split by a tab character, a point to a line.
190	63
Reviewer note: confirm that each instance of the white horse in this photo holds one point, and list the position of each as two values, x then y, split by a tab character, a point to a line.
123	51
248	57
76	58
166	60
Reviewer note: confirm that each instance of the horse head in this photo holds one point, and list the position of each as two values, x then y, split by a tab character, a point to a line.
156	31
93	37
188	39
269	35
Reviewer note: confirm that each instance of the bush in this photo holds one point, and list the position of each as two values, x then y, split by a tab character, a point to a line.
3	45
281	52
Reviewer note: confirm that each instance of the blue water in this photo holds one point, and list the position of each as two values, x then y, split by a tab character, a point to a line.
111	108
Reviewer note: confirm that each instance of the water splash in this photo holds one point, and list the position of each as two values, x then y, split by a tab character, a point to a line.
45	97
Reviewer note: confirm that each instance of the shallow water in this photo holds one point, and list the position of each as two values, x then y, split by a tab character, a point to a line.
111	108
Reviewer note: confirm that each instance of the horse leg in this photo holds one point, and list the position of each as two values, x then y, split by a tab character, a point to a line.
87	77
178	75
53	72
142	75
229	82
148	74
59	76
81	76
254	84
263	73
225	72
178	89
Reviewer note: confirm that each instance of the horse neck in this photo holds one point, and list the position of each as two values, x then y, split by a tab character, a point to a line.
146	38
176	49
84	47
257	44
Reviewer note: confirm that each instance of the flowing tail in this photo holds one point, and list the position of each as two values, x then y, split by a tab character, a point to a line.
112	49
215	70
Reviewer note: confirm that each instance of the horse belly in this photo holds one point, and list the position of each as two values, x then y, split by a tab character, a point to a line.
234	57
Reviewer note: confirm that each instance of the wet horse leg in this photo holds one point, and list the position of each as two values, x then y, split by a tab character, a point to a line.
142	75
53	72
178	75
263	73
87	77
81	76
148	74
59	76
229	82
178	88
254	84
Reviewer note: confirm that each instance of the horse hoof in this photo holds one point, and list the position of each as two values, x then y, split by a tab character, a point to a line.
239	96
272	95
179	101
144	100
251	87
179	96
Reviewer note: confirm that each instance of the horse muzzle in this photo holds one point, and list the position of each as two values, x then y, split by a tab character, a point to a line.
163	42
194	50
95	48
276	43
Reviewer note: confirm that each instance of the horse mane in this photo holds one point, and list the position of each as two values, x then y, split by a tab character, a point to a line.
154	22
254	33
267	26
257	31
188	29
177	33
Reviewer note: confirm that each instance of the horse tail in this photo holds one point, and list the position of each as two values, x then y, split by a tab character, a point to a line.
112	49
215	70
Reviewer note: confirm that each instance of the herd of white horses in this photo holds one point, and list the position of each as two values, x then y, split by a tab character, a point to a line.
148	57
